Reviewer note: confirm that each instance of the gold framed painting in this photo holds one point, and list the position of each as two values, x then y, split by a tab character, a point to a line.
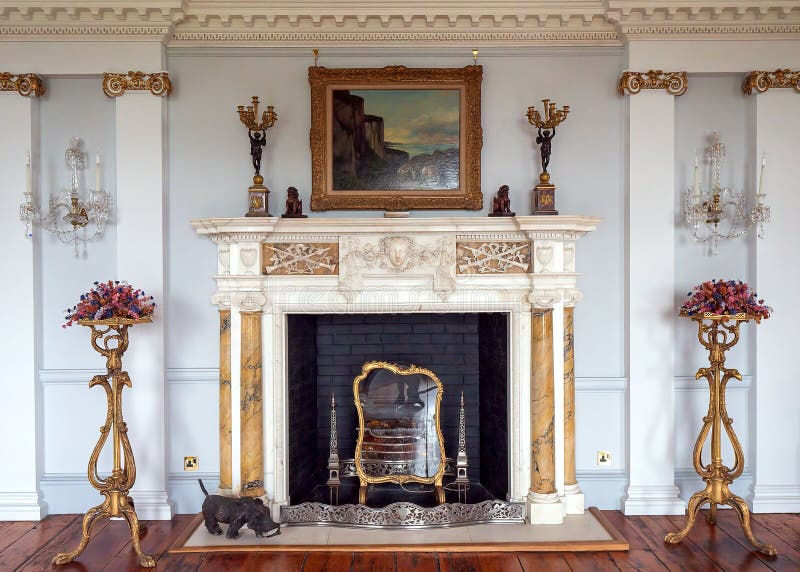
396	138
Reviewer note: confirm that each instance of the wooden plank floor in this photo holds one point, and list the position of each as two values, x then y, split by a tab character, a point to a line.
28	546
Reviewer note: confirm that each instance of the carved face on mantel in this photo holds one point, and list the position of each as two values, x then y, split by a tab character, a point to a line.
396	249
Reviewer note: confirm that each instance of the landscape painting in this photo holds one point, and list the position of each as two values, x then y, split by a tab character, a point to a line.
396	139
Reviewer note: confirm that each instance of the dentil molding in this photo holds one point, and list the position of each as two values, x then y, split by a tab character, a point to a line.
458	22
26	84
761	81
116	84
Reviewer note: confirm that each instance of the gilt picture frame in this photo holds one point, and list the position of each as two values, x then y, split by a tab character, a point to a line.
396	138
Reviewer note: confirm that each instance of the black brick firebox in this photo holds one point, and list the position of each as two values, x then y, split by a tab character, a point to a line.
468	352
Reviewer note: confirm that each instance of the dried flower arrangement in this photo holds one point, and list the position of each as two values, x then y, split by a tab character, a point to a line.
112	299
725	298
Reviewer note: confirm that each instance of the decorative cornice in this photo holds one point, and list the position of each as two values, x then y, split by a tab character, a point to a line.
26	84
456	22
116	84
761	81
674	83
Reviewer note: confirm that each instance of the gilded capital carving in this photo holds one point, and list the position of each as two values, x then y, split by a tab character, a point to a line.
761	81
116	84
674	83
26	84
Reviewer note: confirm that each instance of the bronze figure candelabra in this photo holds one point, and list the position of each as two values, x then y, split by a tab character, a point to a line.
257	132
110	338
718	334
544	194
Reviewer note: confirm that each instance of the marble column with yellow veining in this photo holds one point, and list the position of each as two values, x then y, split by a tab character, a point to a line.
225	460
569	399
252	410
543	474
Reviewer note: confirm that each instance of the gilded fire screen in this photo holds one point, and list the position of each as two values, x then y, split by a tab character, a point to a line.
399	424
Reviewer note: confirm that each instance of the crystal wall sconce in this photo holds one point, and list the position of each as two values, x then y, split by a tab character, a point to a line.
721	213
72	218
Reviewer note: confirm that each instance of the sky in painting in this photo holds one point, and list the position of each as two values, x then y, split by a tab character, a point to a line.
416	121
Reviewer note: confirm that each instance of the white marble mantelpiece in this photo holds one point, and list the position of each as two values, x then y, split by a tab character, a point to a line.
375	265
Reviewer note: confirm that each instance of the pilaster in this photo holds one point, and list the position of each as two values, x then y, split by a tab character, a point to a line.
651	296
573	496
225	466
141	260
252	407
777	268
544	504
20	408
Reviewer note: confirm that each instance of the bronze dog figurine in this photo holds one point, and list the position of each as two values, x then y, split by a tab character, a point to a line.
236	512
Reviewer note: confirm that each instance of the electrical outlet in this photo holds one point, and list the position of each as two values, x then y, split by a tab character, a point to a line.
190	464
603	458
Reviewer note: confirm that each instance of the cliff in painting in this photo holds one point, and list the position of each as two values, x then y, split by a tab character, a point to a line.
395	139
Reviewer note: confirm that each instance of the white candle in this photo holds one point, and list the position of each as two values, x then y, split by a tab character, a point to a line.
28	184
696	177
761	177
97	173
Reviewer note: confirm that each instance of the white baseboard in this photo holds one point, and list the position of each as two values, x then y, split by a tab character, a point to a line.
152	505
776	498
653	500
22	506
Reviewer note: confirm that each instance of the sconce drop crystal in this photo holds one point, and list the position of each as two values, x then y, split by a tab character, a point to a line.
70	217
722	213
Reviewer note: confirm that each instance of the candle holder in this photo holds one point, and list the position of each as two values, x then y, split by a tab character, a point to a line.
721	213
110	339
717	334
72	218
258	194
544	194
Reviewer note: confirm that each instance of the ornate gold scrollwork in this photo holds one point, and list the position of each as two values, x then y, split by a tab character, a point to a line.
116	84
26	84
401	479
674	83
761	81
110	339
718	334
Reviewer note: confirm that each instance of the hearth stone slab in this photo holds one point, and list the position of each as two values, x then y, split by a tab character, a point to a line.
581	529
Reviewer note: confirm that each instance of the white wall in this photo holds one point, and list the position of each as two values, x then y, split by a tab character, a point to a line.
208	174
713	102
72	107
210	171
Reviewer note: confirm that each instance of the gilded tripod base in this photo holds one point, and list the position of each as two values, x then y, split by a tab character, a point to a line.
110	338
125	509
718	334
725	497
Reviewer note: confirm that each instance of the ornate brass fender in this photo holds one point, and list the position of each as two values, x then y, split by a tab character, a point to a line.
366	480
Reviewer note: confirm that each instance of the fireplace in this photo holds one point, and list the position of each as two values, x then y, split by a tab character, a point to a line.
468	352
286	286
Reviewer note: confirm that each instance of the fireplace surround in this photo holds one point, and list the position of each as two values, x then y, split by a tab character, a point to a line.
524	267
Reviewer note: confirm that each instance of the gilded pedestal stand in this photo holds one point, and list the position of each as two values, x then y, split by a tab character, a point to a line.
718	334
110	338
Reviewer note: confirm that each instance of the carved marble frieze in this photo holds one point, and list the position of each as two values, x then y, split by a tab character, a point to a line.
312	258
496	257
399	254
